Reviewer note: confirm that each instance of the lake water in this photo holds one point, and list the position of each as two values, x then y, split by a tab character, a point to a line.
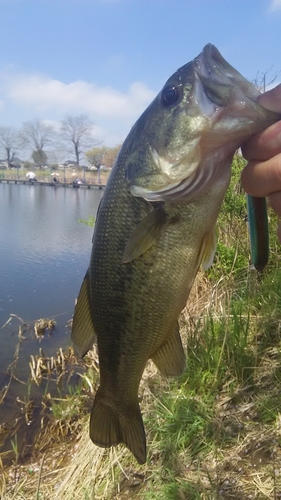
44	254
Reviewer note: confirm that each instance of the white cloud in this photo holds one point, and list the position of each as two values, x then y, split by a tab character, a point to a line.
44	93
113	111
275	5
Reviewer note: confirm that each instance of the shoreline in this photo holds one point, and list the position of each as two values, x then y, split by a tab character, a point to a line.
53	184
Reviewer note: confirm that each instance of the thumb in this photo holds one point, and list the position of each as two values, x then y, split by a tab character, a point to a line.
271	99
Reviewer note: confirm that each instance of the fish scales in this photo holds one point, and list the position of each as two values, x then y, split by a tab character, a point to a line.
154	228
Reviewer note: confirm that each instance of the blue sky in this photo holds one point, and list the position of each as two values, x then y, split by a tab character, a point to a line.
109	58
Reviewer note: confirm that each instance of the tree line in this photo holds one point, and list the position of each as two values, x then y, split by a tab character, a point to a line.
47	146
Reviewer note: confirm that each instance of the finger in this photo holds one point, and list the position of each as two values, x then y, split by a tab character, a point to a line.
271	99
264	145
275	202
262	178
267	143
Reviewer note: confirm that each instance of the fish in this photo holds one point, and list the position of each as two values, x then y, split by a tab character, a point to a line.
154	228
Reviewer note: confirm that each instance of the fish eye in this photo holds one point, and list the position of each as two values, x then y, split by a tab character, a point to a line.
170	95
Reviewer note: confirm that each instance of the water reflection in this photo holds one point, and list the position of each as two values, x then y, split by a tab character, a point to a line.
44	253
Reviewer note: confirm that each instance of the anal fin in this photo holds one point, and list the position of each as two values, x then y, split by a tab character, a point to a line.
83	334
209	246
170	358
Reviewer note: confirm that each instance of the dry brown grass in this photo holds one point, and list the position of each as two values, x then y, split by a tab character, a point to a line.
248	467
244	461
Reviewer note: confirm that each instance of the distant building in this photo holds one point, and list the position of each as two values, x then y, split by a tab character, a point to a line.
67	164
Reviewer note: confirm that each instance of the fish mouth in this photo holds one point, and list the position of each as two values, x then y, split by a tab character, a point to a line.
215	64
210	62
218	85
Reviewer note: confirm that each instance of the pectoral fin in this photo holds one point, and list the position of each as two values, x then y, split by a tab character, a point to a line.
209	246
145	234
83	334
170	358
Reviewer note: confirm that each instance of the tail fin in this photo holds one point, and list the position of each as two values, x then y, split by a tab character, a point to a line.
108	427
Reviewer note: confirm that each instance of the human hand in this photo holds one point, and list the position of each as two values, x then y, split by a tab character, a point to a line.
262	175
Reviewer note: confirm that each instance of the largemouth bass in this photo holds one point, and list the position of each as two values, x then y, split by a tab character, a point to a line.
154	228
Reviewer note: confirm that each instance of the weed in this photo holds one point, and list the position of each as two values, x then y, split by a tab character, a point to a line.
89	222
14	443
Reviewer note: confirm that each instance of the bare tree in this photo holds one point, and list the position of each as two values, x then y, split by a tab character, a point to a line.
77	132
9	143
262	80
36	135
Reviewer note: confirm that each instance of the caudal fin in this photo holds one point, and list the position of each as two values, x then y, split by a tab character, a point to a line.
109	427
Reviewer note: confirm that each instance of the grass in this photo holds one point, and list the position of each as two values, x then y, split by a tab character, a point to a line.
215	432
